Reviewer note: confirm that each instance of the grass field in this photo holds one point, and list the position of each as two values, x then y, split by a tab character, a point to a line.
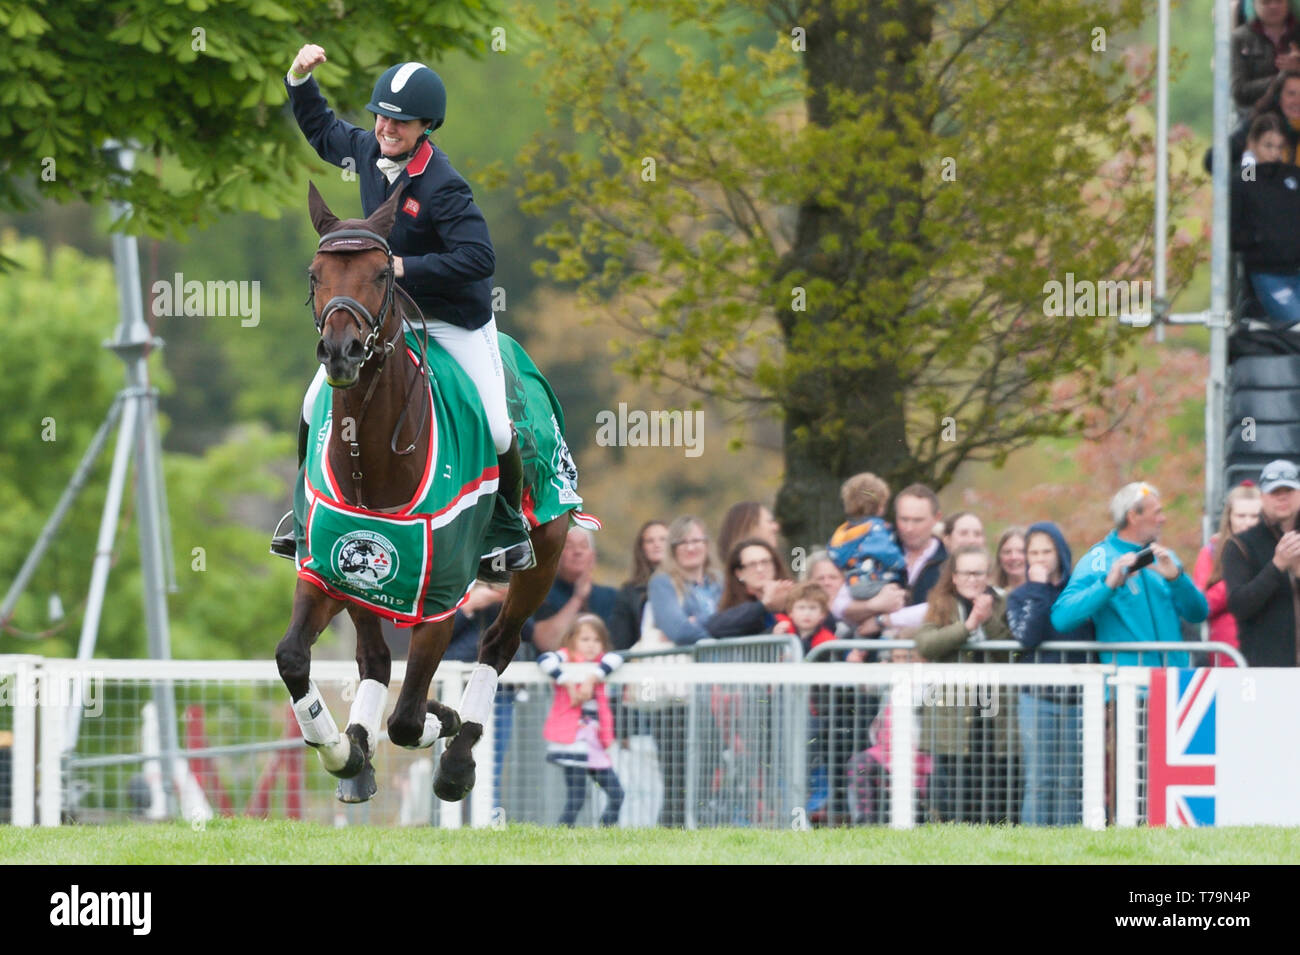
250	841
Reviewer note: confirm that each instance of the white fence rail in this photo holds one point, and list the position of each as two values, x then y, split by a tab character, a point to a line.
772	745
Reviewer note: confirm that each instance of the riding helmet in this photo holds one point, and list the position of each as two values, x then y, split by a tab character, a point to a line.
410	91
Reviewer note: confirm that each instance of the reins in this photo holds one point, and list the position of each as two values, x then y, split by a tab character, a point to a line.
347	241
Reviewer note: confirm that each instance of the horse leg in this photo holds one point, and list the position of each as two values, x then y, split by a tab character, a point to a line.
374	664
312	610
528	588
416	720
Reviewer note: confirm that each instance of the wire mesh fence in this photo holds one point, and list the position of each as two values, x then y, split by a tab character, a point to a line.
767	744
240	751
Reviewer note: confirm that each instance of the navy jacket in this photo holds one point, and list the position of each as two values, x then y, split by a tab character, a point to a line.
929	575
439	233
747	619
1260	597
600	601
1029	606
1264	213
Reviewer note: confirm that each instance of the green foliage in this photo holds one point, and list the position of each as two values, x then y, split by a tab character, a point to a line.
57	386
917	175
200	81
58	376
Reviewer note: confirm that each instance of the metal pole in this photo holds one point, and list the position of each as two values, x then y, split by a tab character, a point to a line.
133	346
103	553
1162	163
1216	386
75	487
137	435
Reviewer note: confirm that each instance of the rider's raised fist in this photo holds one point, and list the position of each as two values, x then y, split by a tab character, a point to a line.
308	58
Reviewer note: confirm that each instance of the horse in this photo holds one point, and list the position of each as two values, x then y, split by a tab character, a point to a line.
387	426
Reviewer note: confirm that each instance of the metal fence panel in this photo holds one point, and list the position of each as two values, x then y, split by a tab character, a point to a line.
771	745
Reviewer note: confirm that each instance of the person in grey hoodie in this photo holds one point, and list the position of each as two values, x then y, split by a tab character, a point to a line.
1050	718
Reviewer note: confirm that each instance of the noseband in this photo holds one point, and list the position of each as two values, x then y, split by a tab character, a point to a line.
356	240
363	240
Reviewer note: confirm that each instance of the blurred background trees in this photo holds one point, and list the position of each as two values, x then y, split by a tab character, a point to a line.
552	110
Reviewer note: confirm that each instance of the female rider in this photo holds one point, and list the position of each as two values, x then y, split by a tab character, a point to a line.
442	255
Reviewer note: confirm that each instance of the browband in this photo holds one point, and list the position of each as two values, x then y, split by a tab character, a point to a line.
352	240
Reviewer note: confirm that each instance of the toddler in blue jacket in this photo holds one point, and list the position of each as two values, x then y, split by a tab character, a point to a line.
864	546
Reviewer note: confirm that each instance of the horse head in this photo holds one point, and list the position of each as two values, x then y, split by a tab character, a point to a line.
352	288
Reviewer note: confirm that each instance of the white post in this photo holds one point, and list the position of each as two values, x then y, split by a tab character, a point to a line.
1126	749
1216	385
1094	751
482	798
902	760
1162	157
54	693
22	801
449	686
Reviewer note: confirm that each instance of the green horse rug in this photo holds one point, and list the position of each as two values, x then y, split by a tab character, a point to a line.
417	563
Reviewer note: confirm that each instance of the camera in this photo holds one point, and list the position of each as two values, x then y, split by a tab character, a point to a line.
1144	557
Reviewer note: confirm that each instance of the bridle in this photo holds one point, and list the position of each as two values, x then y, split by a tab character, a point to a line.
348	241
372	327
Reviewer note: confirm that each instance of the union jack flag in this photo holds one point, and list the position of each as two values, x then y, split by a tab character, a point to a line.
1181	748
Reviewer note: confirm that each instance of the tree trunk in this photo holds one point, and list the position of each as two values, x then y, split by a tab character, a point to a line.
842	420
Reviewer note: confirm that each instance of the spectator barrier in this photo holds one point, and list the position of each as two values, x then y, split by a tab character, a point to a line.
770	744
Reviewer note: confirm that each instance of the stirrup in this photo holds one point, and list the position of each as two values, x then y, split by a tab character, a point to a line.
497	568
284	545
520	557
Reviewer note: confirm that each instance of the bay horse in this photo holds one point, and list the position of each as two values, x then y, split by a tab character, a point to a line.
382	397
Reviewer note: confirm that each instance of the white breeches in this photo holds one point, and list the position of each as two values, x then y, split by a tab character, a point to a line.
478	354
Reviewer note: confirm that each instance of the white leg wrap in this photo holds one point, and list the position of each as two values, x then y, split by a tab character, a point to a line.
319	729
367	709
476	703
432	730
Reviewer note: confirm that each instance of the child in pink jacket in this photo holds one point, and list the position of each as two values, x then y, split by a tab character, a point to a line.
580	727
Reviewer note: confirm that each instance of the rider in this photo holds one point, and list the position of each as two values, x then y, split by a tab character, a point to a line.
442	255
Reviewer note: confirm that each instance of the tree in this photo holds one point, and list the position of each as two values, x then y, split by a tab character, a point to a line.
199	81
1152	431
851	214
233	599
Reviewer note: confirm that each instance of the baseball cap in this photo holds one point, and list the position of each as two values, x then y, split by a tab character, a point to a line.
1279	473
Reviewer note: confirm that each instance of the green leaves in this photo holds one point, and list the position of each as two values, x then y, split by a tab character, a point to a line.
913	180
21	22
194	80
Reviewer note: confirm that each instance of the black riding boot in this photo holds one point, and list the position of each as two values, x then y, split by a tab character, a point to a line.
285	545
510	492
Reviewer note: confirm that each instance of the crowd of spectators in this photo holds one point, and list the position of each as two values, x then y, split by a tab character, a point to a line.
937	584
1265	185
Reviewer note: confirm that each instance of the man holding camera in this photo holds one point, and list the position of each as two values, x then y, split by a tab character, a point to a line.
1260	567
1131	588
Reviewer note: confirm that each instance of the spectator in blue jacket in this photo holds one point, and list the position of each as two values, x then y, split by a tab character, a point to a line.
1127	605
683	593
1050	718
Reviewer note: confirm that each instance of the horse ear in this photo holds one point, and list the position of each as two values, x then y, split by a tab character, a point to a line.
321	218
381	220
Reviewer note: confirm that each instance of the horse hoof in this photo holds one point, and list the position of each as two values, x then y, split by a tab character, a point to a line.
359	788
455	776
357	758
448	717
454	779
